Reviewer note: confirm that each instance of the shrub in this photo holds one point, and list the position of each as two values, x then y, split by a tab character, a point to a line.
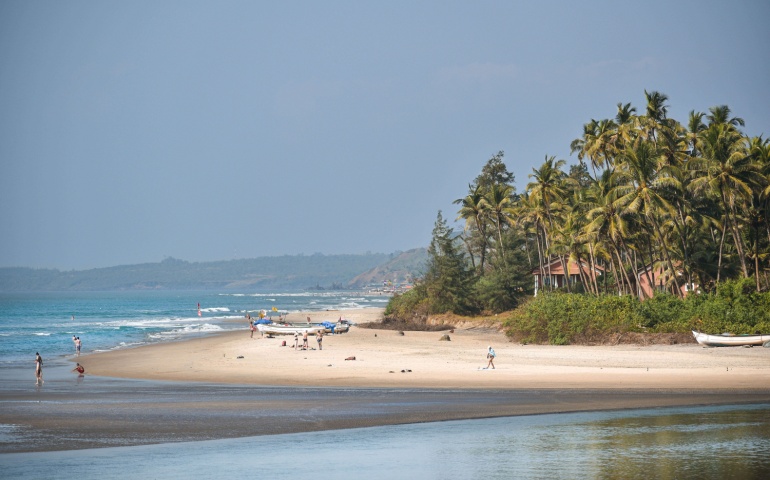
563	318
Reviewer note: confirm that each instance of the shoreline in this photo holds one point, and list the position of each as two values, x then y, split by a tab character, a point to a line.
199	389
387	359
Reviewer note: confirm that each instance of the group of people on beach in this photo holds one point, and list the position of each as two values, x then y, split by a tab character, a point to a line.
319	336
79	369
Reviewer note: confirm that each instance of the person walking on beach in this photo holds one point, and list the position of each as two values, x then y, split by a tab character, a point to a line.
77	346
304	340
296	340
75	343
491	357
252	327
38	369
319	336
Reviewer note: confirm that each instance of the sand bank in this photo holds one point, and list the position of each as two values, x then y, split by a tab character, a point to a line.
384	358
231	385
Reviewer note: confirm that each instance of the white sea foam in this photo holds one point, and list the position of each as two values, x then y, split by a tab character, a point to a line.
215	309
184	331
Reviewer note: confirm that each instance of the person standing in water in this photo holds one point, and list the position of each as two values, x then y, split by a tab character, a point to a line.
38	369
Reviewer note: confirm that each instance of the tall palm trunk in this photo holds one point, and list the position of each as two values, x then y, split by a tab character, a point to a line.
592	260
670	264
730	220
624	275
721	250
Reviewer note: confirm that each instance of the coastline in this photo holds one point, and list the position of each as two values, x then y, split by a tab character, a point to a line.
198	389
387	359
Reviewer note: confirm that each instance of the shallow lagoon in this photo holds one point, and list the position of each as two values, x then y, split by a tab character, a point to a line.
698	442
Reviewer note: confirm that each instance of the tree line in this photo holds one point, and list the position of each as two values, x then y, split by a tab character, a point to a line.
649	195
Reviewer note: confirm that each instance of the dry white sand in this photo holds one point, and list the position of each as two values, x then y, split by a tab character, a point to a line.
384	358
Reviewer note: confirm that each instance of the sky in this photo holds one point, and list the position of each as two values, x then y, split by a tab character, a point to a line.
217	130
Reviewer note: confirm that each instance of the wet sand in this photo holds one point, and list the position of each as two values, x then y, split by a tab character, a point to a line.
200	389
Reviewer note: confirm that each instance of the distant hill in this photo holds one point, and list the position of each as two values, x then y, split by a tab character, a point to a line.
289	272
404	268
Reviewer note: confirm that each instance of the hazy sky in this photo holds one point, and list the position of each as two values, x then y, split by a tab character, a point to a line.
131	131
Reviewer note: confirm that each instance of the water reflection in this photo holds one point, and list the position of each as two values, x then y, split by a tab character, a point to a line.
702	442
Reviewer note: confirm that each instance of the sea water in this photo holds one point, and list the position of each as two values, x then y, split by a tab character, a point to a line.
46	322
725	442
696	442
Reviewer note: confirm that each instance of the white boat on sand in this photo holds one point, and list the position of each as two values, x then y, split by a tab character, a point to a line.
289	328
300	328
728	340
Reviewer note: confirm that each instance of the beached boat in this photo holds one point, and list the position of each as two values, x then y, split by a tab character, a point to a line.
289	328
312	328
728	340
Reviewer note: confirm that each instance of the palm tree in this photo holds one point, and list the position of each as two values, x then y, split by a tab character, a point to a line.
728	172
655	114
499	202
549	189
473	210
608	224
720	115
640	179
695	126
760	152
531	218
596	143
626	121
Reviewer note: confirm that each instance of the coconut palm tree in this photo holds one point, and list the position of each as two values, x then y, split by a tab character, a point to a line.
531	218
655	114
550	188
640	178
695	126
728	172
596	143
500	204
473	210
609	225
720	115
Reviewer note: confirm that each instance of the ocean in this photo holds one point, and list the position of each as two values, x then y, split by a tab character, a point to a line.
46	322
694	442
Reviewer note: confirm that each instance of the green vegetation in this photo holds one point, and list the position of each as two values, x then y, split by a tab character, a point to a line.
562	318
683	207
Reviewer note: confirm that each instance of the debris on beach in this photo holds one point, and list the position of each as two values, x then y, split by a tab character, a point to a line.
445	338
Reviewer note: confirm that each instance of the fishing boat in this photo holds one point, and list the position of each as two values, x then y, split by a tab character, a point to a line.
289	328
730	340
271	328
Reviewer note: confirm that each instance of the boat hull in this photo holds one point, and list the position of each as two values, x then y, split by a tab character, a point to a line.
730	340
289	329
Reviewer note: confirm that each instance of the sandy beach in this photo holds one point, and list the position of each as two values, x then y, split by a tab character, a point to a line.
229	385
385	358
